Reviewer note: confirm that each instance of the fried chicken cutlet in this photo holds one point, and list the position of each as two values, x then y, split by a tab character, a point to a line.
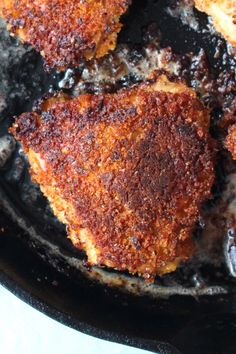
228	125
230	142
126	172
66	32
223	13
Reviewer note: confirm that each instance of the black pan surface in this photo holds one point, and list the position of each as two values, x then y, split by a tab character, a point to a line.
193	310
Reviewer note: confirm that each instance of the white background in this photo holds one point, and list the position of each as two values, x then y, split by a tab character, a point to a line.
23	330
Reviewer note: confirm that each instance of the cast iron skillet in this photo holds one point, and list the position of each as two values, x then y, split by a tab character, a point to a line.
186	324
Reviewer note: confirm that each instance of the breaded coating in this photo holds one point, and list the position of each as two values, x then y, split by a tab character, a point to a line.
228	125
66	32
223	13
230	142
126	172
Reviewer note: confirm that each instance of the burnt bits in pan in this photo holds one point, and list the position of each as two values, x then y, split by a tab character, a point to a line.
156	33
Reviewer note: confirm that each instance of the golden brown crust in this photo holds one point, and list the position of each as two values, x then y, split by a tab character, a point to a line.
127	172
65	31
223	13
230	142
228	124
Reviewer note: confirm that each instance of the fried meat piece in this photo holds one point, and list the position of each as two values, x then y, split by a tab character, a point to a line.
126	172
66	32
228	125
230	142
223	13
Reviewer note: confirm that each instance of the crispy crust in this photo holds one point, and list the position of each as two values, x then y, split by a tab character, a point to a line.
228	124
230	142
223	13
66	32
127	171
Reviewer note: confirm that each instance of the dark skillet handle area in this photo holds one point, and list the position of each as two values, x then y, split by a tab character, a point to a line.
209	334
